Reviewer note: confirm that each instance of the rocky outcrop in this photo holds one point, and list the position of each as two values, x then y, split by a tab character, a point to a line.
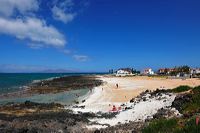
44	118
65	84
180	100
56	85
131	127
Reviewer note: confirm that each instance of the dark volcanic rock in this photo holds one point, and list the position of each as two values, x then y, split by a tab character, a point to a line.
164	113
132	100
39	121
65	83
180	100
159	92
56	85
132	127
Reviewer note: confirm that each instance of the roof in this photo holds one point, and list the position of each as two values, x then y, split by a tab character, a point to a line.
125	69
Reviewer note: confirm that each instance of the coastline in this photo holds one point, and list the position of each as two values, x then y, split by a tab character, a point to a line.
103	100
49	87
146	98
129	87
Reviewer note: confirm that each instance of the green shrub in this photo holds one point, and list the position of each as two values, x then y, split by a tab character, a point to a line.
190	127
179	125
196	89
161	126
172	126
181	89
193	105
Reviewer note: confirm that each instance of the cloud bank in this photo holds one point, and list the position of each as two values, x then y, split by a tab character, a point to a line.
28	27
62	11
8	7
60	15
33	29
22	20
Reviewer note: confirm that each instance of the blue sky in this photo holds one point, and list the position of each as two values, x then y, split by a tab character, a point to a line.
97	35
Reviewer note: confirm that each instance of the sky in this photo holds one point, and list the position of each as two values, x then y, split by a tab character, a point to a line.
98	35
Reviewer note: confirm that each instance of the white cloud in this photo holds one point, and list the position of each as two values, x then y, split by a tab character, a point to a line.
32	29
63	11
66	51
29	28
8	7
81	58
59	14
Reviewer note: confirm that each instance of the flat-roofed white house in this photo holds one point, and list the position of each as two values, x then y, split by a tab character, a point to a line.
148	71
124	72
195	71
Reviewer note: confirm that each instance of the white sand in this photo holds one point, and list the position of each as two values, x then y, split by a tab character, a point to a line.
139	112
95	102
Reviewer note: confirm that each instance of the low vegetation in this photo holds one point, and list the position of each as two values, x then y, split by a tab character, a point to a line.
193	106
190	108
181	89
161	126
173	125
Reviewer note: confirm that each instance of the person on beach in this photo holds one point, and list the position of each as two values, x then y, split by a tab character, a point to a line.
117	85
102	89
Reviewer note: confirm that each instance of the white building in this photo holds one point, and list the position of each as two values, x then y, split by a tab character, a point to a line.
195	71
148	71
124	72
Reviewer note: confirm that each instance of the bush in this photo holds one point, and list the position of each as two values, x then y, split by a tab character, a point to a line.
193	105
196	89
190	127
161	126
181	89
172	126
179	125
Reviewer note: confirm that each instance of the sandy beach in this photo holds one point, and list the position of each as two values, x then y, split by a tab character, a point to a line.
102	98
130	87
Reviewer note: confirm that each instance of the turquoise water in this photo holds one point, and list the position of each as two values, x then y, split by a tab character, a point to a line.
65	98
11	82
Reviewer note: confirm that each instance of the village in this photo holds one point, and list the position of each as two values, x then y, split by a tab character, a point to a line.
176	72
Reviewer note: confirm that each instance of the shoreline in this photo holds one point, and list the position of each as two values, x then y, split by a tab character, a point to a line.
39	86
55	86
129	87
103	100
95	110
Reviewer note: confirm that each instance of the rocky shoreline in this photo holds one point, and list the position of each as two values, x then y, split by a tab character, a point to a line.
56	85
39	117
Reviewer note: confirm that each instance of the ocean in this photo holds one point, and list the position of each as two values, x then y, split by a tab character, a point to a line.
11	82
